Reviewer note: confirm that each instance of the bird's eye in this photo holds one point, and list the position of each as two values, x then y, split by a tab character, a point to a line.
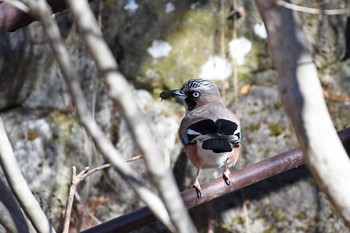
195	94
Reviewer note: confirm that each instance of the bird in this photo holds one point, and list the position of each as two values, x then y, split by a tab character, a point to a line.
210	133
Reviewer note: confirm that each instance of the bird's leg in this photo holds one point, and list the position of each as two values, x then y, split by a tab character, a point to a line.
226	174
196	184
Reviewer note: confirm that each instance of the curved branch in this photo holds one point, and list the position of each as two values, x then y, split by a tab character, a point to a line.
41	11
19	185
121	93
301	95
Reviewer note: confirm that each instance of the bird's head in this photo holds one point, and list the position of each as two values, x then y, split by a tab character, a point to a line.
195	93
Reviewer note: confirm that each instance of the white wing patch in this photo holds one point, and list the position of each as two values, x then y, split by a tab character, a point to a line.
192	132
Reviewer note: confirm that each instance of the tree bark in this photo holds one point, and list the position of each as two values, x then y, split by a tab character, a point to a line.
302	97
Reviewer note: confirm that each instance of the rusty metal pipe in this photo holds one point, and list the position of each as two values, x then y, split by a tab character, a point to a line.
239	179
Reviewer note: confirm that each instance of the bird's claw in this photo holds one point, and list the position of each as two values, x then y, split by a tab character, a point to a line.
198	191
198	188
226	179
226	176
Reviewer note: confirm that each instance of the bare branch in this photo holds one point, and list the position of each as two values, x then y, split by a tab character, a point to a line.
70	200
121	93
136	157
76	179
312	10
11	217
213	189
210	190
40	10
19	185
302	98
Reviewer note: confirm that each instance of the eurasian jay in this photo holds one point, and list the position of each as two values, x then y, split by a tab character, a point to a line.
210	132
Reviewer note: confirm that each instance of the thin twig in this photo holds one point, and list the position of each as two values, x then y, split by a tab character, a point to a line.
70	201
76	179
20	187
89	172
136	157
312	10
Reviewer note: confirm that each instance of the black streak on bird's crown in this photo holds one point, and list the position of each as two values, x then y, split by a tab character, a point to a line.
196	83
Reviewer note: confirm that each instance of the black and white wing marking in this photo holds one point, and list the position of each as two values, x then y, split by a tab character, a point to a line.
217	145
230	129
221	134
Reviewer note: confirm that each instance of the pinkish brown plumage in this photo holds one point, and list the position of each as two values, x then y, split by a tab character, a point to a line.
209	132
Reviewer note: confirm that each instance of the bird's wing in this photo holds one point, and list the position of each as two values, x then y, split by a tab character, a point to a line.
219	125
217	145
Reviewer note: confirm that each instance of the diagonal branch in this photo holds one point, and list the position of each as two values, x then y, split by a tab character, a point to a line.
301	95
20	187
213	189
11	217
121	93
40	10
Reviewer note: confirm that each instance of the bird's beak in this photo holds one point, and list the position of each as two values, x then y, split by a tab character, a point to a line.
177	94
172	93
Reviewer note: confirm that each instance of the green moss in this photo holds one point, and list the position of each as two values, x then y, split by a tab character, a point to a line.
65	122
276	129
301	215
311	182
253	112
277	105
245	76
287	135
192	41
249	140
254	126
269	230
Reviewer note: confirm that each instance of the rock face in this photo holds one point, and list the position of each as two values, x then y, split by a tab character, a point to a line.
19	71
159	45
